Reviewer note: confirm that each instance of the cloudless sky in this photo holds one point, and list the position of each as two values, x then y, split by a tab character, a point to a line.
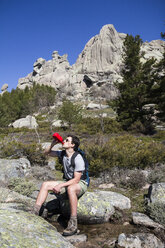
30	29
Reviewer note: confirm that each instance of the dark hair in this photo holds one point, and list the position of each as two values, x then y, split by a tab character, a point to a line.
75	141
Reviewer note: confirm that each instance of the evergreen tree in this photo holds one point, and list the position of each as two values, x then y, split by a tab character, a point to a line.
19	103
159	88
134	91
70	113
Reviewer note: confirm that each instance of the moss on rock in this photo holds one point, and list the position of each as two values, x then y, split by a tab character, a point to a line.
21	229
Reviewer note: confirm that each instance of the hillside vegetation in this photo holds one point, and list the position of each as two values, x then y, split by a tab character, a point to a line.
126	138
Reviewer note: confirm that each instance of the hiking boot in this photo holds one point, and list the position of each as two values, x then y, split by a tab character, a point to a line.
71	228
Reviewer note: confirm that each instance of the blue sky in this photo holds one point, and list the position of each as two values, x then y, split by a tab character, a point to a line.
30	29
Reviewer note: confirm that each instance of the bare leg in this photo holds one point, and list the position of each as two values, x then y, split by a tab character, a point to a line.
46	186
73	192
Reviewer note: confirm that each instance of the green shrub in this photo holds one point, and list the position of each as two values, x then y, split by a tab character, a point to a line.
157	174
40	117
157	212
160	135
98	125
21	186
124	151
137	127
44	125
70	113
58	164
33	152
136	180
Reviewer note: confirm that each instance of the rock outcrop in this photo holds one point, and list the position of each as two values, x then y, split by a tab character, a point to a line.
13	168
157	193
4	88
94	207
28	122
15	199
95	70
156	202
139	240
144	220
22	229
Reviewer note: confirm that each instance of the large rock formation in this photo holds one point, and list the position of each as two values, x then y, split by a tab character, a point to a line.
93	207
12	168
21	229
95	70
4	88
28	122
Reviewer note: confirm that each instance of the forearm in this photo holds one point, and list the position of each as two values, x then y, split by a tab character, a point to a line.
70	182
48	150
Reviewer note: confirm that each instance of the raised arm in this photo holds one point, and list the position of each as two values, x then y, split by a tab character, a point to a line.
48	151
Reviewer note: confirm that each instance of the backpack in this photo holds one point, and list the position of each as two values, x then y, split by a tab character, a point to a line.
85	175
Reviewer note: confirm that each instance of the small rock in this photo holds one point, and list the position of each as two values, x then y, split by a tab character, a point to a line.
58	123
146	186
96	106
110	243
51	164
106	186
139	240
77	238
142	219
125	223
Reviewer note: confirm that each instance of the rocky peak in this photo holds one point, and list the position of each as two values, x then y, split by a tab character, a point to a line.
4	88
102	53
95	71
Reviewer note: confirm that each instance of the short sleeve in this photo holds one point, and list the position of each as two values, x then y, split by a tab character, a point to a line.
79	163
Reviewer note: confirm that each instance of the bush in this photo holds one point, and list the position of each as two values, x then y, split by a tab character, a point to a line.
136	180
160	135
157	212
157	174
94	126
124	151
125	178
70	113
32	151
21	186
137	127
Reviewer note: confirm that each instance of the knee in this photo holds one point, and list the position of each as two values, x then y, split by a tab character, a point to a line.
45	185
71	189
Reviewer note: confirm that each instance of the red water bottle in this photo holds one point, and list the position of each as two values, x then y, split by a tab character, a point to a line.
58	137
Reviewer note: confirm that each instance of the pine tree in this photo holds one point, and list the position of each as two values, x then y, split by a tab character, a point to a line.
159	88
19	103
70	113
134	91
